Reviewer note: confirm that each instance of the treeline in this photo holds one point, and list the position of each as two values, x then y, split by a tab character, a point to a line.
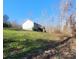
8	24
66	19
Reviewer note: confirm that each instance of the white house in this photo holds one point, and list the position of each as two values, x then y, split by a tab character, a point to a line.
30	25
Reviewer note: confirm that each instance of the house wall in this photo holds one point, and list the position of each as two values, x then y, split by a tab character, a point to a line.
28	25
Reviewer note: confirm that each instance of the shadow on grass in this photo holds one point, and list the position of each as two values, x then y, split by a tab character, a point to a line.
29	48
34	47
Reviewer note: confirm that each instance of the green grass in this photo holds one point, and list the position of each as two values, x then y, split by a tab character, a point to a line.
17	44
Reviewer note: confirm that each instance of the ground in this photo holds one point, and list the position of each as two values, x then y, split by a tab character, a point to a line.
30	45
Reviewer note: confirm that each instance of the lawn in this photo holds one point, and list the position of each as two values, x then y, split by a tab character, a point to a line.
18	44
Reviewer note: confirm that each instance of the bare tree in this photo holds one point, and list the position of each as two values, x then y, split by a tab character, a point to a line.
68	20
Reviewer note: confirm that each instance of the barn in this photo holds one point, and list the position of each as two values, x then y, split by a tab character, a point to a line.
30	25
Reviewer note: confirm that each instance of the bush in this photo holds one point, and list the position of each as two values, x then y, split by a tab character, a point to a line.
6	24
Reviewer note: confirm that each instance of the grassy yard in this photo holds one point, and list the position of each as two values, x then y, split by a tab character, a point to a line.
17	44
